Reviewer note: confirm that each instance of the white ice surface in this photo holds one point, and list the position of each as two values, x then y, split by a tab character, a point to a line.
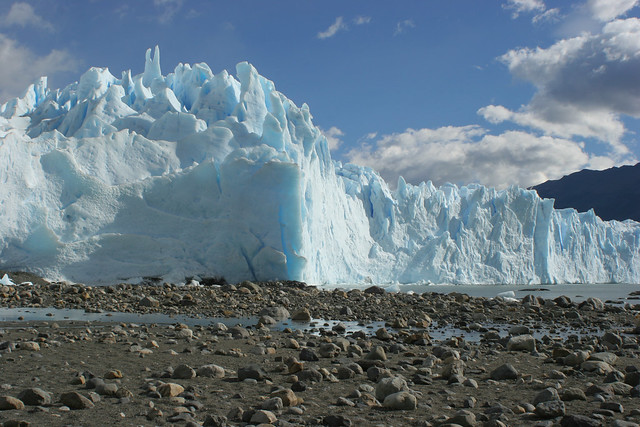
199	174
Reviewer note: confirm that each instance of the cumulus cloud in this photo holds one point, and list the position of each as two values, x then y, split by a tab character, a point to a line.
524	6
23	15
403	26
469	154
583	84
608	10
19	66
333	29
333	135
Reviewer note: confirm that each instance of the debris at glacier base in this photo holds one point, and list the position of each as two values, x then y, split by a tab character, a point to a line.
200	174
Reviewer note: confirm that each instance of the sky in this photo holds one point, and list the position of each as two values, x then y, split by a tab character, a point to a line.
495	92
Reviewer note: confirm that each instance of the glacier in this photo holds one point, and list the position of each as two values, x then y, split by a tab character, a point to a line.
203	174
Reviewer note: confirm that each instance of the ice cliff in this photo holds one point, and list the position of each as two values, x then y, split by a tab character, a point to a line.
200	174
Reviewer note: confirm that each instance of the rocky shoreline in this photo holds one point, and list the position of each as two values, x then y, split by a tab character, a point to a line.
532	361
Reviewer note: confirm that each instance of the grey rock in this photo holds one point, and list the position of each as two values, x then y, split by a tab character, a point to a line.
579	421
402	400
329	350
546	395
463	418
9	402
390	385
75	400
577	358
107	389
278	312
376	353
263	417
211	371
273	404
35	397
597	366
149	302
572	393
336	421
183	372
308	355
521	343
606	357
550	409
251	372
504	372
612	406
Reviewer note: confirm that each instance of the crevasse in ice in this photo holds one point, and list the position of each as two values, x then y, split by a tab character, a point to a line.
200	174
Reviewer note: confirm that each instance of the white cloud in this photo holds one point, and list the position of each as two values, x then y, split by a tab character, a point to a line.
333	135
19	66
361	20
547	16
403	26
23	15
608	10
584	84
168	8
333	29
468	154
524	6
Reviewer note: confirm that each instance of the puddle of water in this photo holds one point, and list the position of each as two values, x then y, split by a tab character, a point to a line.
438	332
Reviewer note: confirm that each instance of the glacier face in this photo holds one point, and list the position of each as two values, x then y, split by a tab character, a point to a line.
200	174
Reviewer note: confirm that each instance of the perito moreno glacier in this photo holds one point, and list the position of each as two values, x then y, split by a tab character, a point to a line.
196	173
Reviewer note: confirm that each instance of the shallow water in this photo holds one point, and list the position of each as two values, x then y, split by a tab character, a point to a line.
14	317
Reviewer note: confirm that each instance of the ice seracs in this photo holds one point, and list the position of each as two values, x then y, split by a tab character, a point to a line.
196	173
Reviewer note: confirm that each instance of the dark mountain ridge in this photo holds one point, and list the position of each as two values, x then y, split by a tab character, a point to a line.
612	193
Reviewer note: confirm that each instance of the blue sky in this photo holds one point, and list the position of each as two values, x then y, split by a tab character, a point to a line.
497	92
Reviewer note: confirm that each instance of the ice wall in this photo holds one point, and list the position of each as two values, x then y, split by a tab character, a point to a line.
200	174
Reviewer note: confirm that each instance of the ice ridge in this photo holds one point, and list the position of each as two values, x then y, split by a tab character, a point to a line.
196	173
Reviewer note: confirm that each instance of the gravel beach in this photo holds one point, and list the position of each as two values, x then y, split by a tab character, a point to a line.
430	360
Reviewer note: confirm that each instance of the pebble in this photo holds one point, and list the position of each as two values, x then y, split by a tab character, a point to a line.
390	385
35	397
170	389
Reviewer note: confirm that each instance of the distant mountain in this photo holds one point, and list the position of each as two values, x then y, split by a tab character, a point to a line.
612	193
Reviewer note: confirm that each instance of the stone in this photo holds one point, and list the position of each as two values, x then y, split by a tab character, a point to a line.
611	340
572	393
211	371
148	302
215	421
612	406
389	385
75	400
113	374
336	421
345	373
302	315
272	404
308	355
632	378
263	417
9	402
550	409
329	350
576	359
606	357
287	396
402	400
597	366
463	418
376	353
546	395
30	346
107	389
170	389
35	397
579	421
504	372
278	312
183	372
252	371
521	343
455	368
